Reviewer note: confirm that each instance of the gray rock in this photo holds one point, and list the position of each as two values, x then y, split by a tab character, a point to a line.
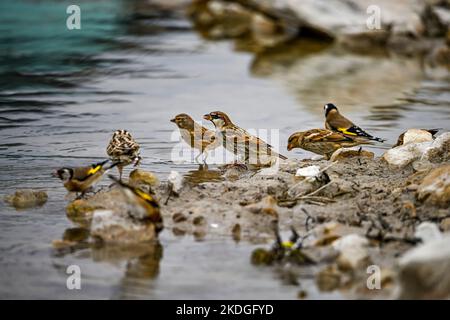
113	227
26	198
423	271
435	187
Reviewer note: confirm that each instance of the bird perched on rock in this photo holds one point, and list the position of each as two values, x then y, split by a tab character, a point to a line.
80	179
195	135
122	148
336	122
147	208
239	141
416	135
322	141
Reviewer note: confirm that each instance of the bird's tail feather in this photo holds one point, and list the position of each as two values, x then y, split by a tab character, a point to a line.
377	139
115	163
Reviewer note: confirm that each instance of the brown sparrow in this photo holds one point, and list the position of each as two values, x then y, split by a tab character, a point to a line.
195	135
238	140
322	141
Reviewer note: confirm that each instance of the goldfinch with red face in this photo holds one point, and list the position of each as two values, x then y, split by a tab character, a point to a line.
80	179
322	141
124	150
195	135
336	122
238	140
150	209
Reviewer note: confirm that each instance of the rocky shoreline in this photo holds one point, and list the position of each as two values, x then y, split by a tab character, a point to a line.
350	214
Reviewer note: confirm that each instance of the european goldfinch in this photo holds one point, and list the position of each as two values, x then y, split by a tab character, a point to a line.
322	141
80	179
122	148
195	135
336	122
238	140
150	207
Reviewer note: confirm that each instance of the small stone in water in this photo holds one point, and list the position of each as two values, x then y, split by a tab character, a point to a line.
26	198
178	217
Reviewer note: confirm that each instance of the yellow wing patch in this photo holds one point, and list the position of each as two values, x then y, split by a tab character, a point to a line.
288	244
94	170
144	195
344	131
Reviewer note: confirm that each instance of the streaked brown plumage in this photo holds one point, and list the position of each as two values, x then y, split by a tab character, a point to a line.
322	141
238	140
151	209
122	148
401	137
336	122
80	179
195	135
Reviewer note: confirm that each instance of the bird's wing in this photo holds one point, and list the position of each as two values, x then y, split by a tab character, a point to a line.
354	131
326	136
208	135
83	173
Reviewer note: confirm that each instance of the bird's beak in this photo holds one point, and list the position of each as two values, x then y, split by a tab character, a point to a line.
290	147
55	174
173	120
207	117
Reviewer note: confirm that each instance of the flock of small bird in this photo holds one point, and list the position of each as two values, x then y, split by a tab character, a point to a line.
123	150
339	132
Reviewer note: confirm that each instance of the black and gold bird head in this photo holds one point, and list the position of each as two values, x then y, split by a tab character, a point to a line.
183	121
218	118
329	107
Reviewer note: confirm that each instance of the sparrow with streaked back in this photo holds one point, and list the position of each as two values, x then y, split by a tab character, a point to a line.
238	140
122	148
195	135
323	141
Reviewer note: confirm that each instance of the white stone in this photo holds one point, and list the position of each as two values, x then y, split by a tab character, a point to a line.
352	249
311	171
428	231
175	180
423	272
416	136
403	155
